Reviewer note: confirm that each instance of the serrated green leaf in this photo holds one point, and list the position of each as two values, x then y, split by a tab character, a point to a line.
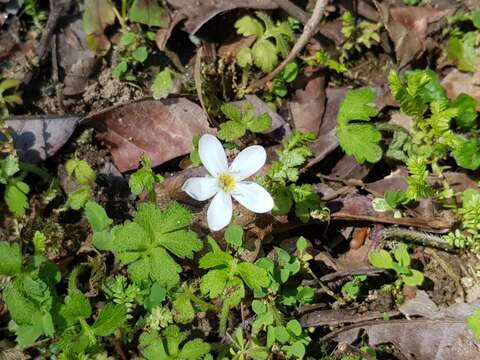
356	106
162	84
234	235
245	57
148	12
182	309
16	197
467	115
110	319
81	171
78	198
231	112
260	123
97	216
10	258
265	55
27	334
254	276
8	167
231	130
213	283
248	26
360	141
194	350
76	307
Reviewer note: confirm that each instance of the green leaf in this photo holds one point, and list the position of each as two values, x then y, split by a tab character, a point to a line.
415	278
231	112
110	319
290	73
402	256
27	334
97	15
395	199
473	323
381	259
231	130
234	235
467	155
254	276
194	350
182	309
128	38
16	197
245	57
148	12
140	54
10	258
294	327
8	167
467	106
76	307
78	198
281	334
97	216
359	140
157	295
265	55
81	171
213	283
248	26
162	85
463	51
260	123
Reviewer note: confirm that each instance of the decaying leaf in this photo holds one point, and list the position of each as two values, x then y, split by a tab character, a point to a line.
98	14
77	61
39	137
199	12
443	335
308	105
457	82
408	27
148	12
163	130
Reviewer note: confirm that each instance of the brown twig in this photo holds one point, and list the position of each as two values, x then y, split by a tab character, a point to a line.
308	31
57	8
55	77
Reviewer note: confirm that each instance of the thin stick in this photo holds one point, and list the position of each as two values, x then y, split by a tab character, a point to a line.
308	31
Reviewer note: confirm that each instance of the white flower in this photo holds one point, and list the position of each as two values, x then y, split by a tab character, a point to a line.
227	182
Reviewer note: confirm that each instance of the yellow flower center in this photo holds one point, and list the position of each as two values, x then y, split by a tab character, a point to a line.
226	182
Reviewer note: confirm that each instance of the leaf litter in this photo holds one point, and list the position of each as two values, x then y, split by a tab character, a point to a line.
373	172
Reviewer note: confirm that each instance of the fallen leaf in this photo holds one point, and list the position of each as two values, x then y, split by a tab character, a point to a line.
442	336
229	50
199	12
456	83
408	27
348	168
162	129
308	105
38	137
322	146
77	61
148	12
97	15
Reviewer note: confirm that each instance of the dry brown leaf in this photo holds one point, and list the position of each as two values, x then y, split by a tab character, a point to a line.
199	12
77	61
163	130
442	336
408	27
457	82
308	105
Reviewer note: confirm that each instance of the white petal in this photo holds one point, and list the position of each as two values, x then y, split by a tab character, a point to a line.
254	197
248	162
212	155
219	212
201	188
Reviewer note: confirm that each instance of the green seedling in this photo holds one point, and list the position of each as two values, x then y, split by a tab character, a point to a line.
391	201
16	191
85	177
281	180
382	259
172	346
473	323
287	76
146	244
241	120
351	289
243	349
271	41
322	58
227	277
8	97
143	180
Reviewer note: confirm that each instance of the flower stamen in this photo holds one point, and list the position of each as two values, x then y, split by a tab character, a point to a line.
226	182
